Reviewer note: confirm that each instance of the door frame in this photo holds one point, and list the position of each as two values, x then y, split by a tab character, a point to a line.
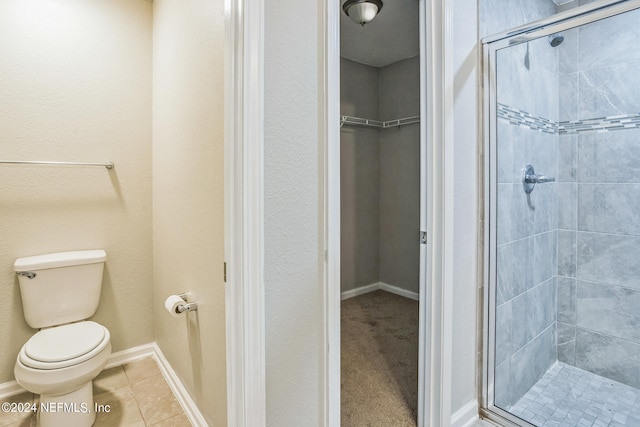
436	177
244	214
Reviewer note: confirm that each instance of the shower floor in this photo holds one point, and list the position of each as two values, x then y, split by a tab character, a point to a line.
567	396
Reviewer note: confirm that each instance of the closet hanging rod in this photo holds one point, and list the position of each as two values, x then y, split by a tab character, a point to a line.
108	165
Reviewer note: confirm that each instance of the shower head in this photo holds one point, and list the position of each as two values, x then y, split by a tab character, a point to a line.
556	39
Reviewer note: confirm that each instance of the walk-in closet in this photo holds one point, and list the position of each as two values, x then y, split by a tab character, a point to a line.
380	215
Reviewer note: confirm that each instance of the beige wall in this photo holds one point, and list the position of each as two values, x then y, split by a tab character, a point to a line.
75	85
188	214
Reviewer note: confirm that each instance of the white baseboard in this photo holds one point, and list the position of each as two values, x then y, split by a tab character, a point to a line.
379	286
11	388
465	416
359	291
129	355
399	291
182	395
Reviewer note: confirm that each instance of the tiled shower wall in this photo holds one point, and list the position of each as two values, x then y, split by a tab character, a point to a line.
595	201
599	201
526	223
527	226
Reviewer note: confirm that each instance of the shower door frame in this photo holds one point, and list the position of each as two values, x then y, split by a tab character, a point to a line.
490	46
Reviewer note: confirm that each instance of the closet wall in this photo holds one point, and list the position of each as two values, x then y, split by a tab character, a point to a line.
359	177
380	172
399	96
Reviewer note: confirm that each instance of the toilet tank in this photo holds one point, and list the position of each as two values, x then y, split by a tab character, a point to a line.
60	288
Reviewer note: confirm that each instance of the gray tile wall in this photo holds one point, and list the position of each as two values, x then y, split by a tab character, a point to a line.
585	227
598	284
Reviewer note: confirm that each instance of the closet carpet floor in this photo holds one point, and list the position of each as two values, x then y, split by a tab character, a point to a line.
379	357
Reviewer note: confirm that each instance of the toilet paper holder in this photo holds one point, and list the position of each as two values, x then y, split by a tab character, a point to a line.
188	306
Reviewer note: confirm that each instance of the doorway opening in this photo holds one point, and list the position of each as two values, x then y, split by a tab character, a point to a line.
380	215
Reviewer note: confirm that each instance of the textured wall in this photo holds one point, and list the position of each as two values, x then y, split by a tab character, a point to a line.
75	85
359	178
188	215
399	97
599	236
293	209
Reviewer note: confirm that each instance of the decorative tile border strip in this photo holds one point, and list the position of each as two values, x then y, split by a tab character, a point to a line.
600	124
528	120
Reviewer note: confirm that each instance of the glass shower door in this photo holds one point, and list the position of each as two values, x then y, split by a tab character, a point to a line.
563	283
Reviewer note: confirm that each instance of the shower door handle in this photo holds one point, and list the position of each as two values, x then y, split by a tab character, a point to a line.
530	178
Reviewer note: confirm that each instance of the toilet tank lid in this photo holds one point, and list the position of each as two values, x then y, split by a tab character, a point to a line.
60	259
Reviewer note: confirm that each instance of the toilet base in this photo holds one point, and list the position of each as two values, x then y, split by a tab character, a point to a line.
71	409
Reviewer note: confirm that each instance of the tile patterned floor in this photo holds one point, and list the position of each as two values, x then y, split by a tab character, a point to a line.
136	392
567	396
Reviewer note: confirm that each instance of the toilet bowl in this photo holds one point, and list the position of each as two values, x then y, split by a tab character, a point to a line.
59	362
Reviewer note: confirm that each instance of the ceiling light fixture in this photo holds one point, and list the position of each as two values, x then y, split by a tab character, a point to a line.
362	11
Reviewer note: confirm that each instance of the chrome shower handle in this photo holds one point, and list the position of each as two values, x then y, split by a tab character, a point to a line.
538	179
530	178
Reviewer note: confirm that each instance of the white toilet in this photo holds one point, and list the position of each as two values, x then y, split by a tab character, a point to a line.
59	291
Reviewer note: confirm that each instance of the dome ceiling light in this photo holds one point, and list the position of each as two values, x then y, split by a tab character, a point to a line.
362	11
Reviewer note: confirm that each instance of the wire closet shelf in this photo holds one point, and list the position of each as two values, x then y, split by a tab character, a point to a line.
358	121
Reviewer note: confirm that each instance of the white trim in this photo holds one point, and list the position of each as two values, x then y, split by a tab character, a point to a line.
129	355
359	291
465	416
447	208
399	291
330	112
244	214
379	286
180	392
11	388
424	333
435	367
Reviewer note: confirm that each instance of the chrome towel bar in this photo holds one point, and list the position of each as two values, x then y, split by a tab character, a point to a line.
108	165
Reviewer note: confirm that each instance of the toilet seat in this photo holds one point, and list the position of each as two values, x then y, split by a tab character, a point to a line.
66	345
